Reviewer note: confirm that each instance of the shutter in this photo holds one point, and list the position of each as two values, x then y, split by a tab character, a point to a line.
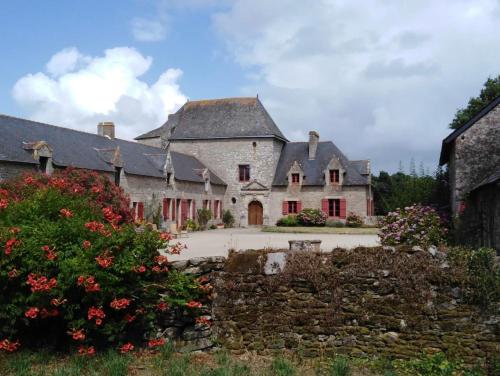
285	208
220	209
165	209
193	202
140	211
343	208
324	206
299	206
174	209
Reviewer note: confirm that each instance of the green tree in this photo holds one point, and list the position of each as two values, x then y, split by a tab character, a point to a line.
490	90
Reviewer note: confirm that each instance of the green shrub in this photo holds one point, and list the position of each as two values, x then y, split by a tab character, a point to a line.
213	227
288	221
192	225
282	367
74	272
427	365
354	220
340	366
204	215
333	223
412	225
311	217
228	219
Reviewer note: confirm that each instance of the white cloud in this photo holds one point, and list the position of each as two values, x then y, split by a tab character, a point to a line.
149	30
79	91
382	79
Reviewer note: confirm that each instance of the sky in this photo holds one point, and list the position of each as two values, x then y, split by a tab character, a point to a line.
381	79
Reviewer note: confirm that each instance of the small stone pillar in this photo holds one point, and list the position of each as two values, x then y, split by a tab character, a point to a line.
305	245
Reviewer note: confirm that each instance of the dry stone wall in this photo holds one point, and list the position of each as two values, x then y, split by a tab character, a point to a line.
363	302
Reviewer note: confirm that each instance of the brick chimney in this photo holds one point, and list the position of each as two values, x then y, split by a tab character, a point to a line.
106	129
313	144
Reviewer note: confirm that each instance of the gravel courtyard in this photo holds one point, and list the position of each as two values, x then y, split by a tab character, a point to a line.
218	242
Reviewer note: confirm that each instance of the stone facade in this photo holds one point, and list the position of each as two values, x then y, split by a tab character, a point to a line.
364	302
474	156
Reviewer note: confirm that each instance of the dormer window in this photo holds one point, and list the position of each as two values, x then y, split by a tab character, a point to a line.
295	178
118	171
334	176
169	178
43	164
244	173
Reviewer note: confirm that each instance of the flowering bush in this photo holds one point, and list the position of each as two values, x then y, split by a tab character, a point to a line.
73	269
413	225
311	217
288	221
353	220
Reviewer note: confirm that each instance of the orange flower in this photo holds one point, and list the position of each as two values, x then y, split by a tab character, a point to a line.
89	351
86	244
9	346
156	342
203	321
193	304
57	302
32	313
49	252
98	313
165	236
119	303
13	273
104	261
65	213
77	335
40	283
29	180
126	348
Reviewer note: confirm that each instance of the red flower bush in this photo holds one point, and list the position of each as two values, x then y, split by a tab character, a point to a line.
71	258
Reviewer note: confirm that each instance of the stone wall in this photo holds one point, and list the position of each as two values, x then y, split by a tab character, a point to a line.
367	301
9	170
475	156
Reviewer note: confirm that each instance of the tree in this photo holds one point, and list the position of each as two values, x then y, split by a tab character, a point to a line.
490	90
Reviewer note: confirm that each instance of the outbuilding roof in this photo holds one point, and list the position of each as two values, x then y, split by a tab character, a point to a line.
314	169
448	141
91	151
217	119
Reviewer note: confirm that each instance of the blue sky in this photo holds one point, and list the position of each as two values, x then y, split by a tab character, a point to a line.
382	79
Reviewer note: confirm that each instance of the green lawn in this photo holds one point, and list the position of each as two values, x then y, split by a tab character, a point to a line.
323	230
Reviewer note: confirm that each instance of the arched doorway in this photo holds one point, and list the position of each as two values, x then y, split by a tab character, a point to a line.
255	213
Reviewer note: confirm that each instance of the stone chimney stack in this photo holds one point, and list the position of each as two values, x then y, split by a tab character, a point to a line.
106	129
313	144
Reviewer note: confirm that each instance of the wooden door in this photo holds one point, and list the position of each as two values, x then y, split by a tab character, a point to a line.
255	213
184	211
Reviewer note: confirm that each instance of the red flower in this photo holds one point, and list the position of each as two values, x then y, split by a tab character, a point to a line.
119	303
59	183
49	252
86	244
88	351
13	273
9	346
203	321
89	284
10	244
165	236
156	269
156	342
104	261
32	313
126	348
129	318
193	304
40	283
44	313
77	335
95	189
65	213
80	280
29	180
160	260
98	313
140	269
162	306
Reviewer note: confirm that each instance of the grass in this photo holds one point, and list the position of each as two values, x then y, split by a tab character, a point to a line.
323	230
168	363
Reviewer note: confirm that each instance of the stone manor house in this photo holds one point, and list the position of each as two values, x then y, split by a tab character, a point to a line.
221	154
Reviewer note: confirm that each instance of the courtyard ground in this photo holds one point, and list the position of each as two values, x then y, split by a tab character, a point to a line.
219	242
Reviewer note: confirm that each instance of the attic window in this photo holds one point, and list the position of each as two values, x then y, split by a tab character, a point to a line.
118	171
295	178
169	177
334	176
254	144
43	164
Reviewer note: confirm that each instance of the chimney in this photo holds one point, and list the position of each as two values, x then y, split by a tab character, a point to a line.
106	129
313	144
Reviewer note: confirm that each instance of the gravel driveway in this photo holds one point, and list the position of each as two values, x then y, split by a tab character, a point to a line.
218	242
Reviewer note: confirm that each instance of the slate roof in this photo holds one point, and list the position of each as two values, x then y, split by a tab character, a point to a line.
493	178
314	169
91	151
448	141
219	118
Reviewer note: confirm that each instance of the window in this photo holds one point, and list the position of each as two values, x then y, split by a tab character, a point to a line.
233	200
244	172
118	171
295	178
43	164
292	207
169	177
334	208
334	176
